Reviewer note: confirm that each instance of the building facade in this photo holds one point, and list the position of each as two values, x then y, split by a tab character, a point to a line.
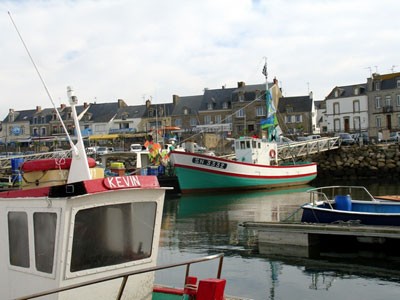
347	109
384	104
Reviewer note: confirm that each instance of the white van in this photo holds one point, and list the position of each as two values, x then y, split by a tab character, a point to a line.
135	148
104	150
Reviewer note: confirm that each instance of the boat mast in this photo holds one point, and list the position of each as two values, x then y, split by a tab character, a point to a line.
79	169
270	123
267	100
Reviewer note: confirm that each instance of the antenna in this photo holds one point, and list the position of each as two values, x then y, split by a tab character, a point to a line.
44	84
370	71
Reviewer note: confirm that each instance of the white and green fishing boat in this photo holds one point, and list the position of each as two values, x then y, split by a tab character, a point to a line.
256	166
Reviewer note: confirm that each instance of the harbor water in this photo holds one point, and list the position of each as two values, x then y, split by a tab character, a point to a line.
205	224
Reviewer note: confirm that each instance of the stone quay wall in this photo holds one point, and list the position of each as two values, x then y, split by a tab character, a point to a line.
355	162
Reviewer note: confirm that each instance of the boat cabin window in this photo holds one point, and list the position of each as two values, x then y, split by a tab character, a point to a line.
113	234
18	239
44	227
254	144
44	235
247	144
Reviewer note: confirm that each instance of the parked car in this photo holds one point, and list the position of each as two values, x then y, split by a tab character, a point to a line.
284	140
135	148
313	137
345	138
91	150
364	137
394	137
104	150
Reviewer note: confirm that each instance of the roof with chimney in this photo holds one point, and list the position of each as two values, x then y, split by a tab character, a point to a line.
297	104
190	103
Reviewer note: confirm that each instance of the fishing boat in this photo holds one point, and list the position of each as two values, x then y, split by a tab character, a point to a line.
336	204
83	239
256	166
93	237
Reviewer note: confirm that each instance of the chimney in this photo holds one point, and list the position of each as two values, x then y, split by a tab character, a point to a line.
121	103
241	84
148	103
62	106
85	105
175	99
275	81
38	109
11	111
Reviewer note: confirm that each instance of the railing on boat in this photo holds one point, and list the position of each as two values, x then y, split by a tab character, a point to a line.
126	275
5	161
327	193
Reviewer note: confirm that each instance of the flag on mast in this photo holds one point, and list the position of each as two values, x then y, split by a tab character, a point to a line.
271	119
264	71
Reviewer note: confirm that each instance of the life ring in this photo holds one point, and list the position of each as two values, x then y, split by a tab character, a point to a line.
272	153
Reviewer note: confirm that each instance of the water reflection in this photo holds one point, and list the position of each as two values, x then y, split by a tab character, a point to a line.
196	225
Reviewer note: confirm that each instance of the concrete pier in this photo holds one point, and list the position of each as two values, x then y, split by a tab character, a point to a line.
305	240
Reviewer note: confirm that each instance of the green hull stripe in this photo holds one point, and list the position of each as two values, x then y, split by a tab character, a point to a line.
194	179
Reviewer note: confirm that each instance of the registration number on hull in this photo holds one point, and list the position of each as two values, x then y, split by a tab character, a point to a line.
209	163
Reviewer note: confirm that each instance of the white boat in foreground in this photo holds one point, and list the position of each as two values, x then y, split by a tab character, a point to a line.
89	238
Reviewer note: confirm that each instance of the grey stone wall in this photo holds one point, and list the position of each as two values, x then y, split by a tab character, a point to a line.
354	162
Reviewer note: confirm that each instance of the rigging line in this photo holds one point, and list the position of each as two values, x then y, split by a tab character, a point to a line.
203	130
42	80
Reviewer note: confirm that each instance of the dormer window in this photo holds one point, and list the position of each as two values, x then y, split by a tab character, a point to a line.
185	111
241	97
225	105
336	93
160	111
210	106
54	116
356	91
398	83
289	109
377	85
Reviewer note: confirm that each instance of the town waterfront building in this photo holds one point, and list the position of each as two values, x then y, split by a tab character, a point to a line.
347	109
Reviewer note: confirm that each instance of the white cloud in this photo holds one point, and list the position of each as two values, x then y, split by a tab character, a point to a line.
133	49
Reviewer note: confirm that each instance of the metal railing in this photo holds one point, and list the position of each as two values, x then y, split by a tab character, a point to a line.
5	161
300	149
126	275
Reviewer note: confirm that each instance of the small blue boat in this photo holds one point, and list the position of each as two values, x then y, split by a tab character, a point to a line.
336	204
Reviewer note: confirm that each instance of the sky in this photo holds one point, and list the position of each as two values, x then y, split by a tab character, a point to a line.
138	50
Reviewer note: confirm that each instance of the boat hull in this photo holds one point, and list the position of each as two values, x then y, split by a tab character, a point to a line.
134	200
197	172
368	214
